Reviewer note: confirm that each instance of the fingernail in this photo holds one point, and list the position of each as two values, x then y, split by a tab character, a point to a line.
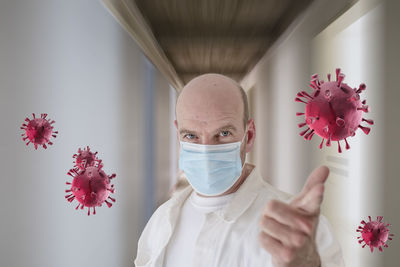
306	227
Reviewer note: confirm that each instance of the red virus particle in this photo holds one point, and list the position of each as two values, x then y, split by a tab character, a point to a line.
38	131
333	111
91	187
374	233
85	158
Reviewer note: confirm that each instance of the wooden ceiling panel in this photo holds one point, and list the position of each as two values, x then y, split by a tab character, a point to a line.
223	36
191	17
229	54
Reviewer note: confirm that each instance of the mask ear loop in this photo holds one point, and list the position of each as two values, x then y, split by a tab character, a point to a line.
241	142
245	134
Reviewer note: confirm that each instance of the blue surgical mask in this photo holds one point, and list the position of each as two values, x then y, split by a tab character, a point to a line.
211	169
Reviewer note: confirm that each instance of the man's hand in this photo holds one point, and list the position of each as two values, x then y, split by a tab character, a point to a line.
288	230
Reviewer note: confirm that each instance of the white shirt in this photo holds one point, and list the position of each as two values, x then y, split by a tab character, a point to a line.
190	222
228	236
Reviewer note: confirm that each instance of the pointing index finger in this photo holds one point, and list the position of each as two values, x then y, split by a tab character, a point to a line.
317	176
310	198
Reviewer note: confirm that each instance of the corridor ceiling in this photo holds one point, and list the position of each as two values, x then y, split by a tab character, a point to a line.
220	36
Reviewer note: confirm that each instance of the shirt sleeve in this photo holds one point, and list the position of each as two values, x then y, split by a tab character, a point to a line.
327	245
152	236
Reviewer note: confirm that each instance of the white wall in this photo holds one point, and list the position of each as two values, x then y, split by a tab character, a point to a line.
352	42
72	60
391	92
364	180
165	143
281	154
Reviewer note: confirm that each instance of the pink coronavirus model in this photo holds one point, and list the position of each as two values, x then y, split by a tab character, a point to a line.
85	158
333	111
38	131
374	234
91	187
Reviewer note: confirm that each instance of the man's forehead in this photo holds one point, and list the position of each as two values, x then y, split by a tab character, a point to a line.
209	96
211	125
208	113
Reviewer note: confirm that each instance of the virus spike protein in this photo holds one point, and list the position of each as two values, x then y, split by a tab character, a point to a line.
91	187
333	111
374	234
38	131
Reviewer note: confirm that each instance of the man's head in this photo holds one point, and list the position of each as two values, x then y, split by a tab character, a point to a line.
212	109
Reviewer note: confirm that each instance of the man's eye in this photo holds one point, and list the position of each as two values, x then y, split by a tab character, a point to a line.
189	136
224	133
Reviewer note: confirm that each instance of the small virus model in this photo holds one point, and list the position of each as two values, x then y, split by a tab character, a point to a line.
91	187
333	111
374	233
85	158
38	131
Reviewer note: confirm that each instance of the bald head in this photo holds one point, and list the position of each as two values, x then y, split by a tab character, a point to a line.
210	95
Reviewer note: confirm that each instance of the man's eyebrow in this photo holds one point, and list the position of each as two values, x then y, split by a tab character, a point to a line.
183	130
223	128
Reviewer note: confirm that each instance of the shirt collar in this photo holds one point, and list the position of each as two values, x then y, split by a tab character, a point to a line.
175	203
240	202
243	197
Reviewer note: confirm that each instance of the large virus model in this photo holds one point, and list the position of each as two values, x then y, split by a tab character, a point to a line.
38	131
85	158
90	186
333	111
374	234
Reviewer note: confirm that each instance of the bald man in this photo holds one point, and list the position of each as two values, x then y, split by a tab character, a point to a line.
229	216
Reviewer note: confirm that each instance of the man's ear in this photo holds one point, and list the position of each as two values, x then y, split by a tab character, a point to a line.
176	126
251	135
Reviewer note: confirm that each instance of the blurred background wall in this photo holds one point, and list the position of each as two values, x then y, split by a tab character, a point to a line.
72	60
360	38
